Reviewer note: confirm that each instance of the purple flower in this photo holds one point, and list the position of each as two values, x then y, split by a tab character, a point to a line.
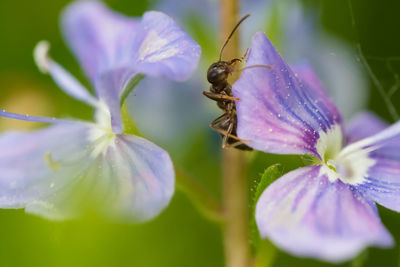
55	171
326	210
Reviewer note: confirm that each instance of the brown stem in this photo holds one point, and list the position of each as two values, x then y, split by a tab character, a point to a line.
235	199
236	235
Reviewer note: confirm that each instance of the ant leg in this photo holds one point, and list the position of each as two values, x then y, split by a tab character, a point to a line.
245	54
212	125
223	119
230	135
225	138
233	61
237	143
217	121
217	97
241	59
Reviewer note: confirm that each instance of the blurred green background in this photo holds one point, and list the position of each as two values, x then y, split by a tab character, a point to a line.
179	236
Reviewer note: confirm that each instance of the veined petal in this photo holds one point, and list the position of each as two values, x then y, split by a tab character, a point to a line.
308	76
59	171
63	78
39	163
100	39
155	46
307	215
363	125
163	49
381	180
278	110
376	141
144	175
91	26
122	47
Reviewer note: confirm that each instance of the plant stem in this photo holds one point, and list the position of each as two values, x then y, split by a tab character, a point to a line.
201	198
235	203
234	182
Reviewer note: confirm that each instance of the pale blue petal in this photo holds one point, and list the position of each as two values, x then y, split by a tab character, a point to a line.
163	49
105	84
100	38
59	171
381	181
309	216
145	178
70	84
122	47
36	164
363	125
63	78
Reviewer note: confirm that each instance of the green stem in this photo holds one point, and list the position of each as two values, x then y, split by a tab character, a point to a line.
378	85
129	87
375	80
234	182
129	125
201	198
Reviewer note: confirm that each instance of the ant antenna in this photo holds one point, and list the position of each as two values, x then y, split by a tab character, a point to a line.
230	35
256	66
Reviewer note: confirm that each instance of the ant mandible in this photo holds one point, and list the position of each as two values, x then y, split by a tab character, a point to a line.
221	92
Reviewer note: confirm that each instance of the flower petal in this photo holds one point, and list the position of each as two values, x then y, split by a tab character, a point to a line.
16	116
363	125
381	181
307	215
163	49
308	76
122	47
145	177
278	111
111	98
155	46
36	164
59	171
65	80
99	38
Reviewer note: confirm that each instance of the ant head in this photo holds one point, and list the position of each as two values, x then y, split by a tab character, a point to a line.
218	72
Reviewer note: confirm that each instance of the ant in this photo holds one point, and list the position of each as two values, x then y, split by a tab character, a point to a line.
221	92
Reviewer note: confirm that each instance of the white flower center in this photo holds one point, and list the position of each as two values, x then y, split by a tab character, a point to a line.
351	167
101	135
